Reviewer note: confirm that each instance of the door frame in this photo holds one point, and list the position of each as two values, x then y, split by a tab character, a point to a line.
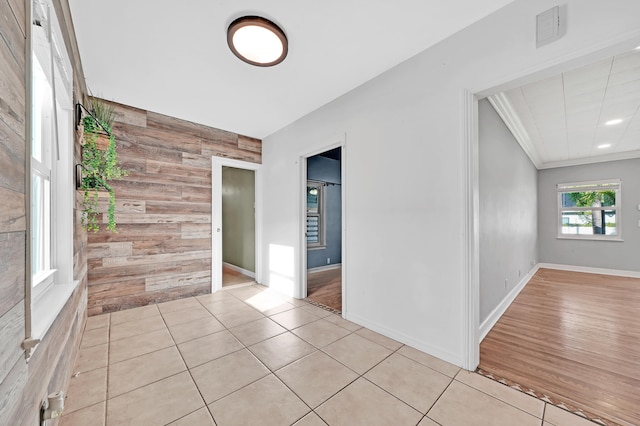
216	216
469	152
302	216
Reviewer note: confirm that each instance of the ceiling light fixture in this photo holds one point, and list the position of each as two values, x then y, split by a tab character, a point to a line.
613	122
257	41
604	145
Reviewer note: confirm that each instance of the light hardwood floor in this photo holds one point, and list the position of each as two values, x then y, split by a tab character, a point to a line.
325	287
231	277
574	337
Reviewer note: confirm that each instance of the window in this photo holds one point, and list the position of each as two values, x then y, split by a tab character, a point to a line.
315	215
51	169
590	210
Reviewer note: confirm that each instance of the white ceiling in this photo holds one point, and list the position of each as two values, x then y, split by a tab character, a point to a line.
561	120
171	56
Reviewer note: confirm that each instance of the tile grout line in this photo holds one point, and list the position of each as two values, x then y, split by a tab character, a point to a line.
106	391
245	347
273	372
500	399
166	326
188	370
438	398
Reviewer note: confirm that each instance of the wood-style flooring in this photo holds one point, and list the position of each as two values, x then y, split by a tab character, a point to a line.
231	277
574	337
325	287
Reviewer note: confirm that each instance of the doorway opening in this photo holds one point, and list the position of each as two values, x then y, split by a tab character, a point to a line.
238	224
470	130
323	232
235	223
493	312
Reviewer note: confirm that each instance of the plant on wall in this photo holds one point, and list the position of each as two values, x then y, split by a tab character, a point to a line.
99	164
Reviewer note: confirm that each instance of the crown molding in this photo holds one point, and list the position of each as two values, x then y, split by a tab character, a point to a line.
511	119
616	156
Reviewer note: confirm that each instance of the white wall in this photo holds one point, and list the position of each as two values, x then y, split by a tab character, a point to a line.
508	210
404	180
620	255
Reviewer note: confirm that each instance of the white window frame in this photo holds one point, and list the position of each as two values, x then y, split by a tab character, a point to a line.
50	289
322	240
596	185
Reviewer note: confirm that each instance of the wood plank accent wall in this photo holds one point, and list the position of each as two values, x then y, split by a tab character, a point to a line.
162	250
24	385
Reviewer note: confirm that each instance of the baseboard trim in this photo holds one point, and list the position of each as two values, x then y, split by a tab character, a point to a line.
590	270
324	268
495	315
239	269
407	340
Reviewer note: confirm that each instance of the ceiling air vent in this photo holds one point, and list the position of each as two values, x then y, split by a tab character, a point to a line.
548	26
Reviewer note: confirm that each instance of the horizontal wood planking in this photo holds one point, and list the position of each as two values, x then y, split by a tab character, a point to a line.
11	31
576	338
162	250
12	211
50	367
12	161
250	144
148	297
12	332
13	368
22	385
12	265
12	390
12	90
178	280
19	12
196	231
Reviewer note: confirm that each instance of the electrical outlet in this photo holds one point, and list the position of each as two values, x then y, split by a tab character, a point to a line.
519	273
505	283
328	260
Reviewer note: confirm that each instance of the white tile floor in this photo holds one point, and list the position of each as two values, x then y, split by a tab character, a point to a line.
246	356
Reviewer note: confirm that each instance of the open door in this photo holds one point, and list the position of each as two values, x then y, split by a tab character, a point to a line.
323	234
236	214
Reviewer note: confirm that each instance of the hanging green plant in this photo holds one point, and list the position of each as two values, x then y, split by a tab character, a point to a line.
99	165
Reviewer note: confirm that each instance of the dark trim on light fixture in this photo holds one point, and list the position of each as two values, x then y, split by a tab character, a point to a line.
259	22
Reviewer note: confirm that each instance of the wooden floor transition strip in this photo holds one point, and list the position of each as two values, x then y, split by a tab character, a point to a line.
549	400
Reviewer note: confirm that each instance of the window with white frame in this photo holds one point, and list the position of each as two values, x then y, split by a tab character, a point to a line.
315	215
590	210
51	168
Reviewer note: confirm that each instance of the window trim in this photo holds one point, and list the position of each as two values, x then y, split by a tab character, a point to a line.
322	237
49	291
594	185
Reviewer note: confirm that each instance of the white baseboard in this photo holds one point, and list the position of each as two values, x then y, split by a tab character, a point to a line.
495	315
407	340
324	268
239	269
590	270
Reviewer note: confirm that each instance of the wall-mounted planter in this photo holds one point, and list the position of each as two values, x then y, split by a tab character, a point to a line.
103	141
99	165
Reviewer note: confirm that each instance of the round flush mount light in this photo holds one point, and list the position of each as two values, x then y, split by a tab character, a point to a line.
613	122
257	41
604	146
